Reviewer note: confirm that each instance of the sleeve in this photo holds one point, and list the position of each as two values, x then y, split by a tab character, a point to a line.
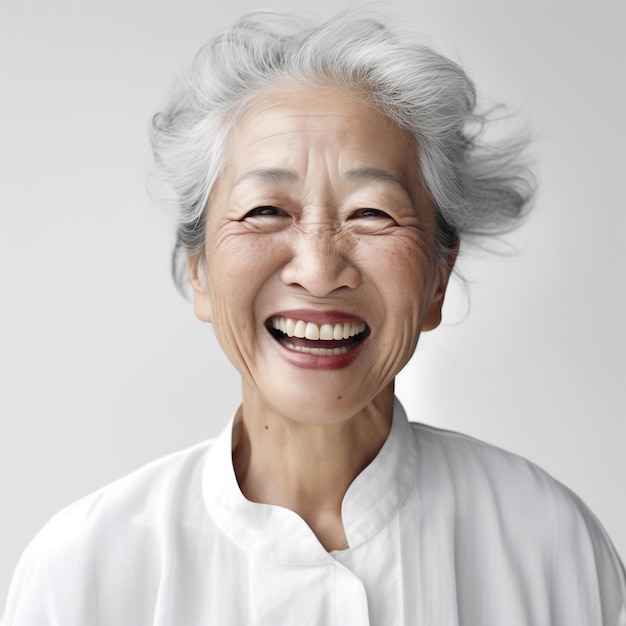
48	587
595	569
611	575
585	569
101	560
30	600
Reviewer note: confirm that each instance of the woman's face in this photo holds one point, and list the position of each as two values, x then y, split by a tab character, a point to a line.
319	269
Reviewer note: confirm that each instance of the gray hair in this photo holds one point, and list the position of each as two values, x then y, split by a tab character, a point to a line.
477	188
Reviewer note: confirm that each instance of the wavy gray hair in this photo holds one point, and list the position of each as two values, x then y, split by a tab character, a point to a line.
477	188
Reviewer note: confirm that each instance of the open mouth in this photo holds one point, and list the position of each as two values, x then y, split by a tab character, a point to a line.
330	339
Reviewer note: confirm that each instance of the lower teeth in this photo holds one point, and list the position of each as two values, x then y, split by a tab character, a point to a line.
317	351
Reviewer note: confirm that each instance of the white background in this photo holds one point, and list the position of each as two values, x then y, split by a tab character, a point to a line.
103	366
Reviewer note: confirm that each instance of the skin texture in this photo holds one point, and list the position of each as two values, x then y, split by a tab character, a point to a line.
319	209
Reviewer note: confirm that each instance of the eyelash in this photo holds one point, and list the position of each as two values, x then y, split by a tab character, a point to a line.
372	213
272	211
264	210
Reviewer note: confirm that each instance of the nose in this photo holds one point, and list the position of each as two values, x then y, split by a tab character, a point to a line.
321	262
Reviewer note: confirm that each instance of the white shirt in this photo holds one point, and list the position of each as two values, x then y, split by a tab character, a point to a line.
443	530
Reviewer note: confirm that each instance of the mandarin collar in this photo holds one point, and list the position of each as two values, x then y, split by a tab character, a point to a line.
278	534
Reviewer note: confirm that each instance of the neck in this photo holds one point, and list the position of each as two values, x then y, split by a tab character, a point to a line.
308	467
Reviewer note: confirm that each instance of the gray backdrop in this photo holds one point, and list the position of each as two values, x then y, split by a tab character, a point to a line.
103	366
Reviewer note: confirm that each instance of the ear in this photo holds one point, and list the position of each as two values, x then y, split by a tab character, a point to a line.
200	286
432	319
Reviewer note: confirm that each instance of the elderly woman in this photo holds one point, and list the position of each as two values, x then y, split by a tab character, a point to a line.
324	174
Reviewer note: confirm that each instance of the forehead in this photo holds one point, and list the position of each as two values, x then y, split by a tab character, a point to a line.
284	124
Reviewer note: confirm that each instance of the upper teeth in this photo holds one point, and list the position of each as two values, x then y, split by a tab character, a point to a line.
310	330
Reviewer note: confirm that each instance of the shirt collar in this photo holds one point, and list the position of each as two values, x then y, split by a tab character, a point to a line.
280	535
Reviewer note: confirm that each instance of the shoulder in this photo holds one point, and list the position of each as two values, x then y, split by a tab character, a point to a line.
90	546
487	478
482	469
503	504
160	486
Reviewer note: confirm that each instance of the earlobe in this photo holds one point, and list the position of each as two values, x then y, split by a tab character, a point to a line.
432	318
199	285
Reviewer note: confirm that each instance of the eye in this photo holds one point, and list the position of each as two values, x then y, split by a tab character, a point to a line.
265	211
371	213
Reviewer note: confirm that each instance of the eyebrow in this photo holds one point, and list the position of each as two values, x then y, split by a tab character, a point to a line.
281	175
375	174
269	175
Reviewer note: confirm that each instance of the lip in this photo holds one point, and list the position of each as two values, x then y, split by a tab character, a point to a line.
318	362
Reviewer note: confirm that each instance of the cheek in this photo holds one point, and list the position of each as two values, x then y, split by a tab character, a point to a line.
401	267
405	276
235	253
239	266
234	256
